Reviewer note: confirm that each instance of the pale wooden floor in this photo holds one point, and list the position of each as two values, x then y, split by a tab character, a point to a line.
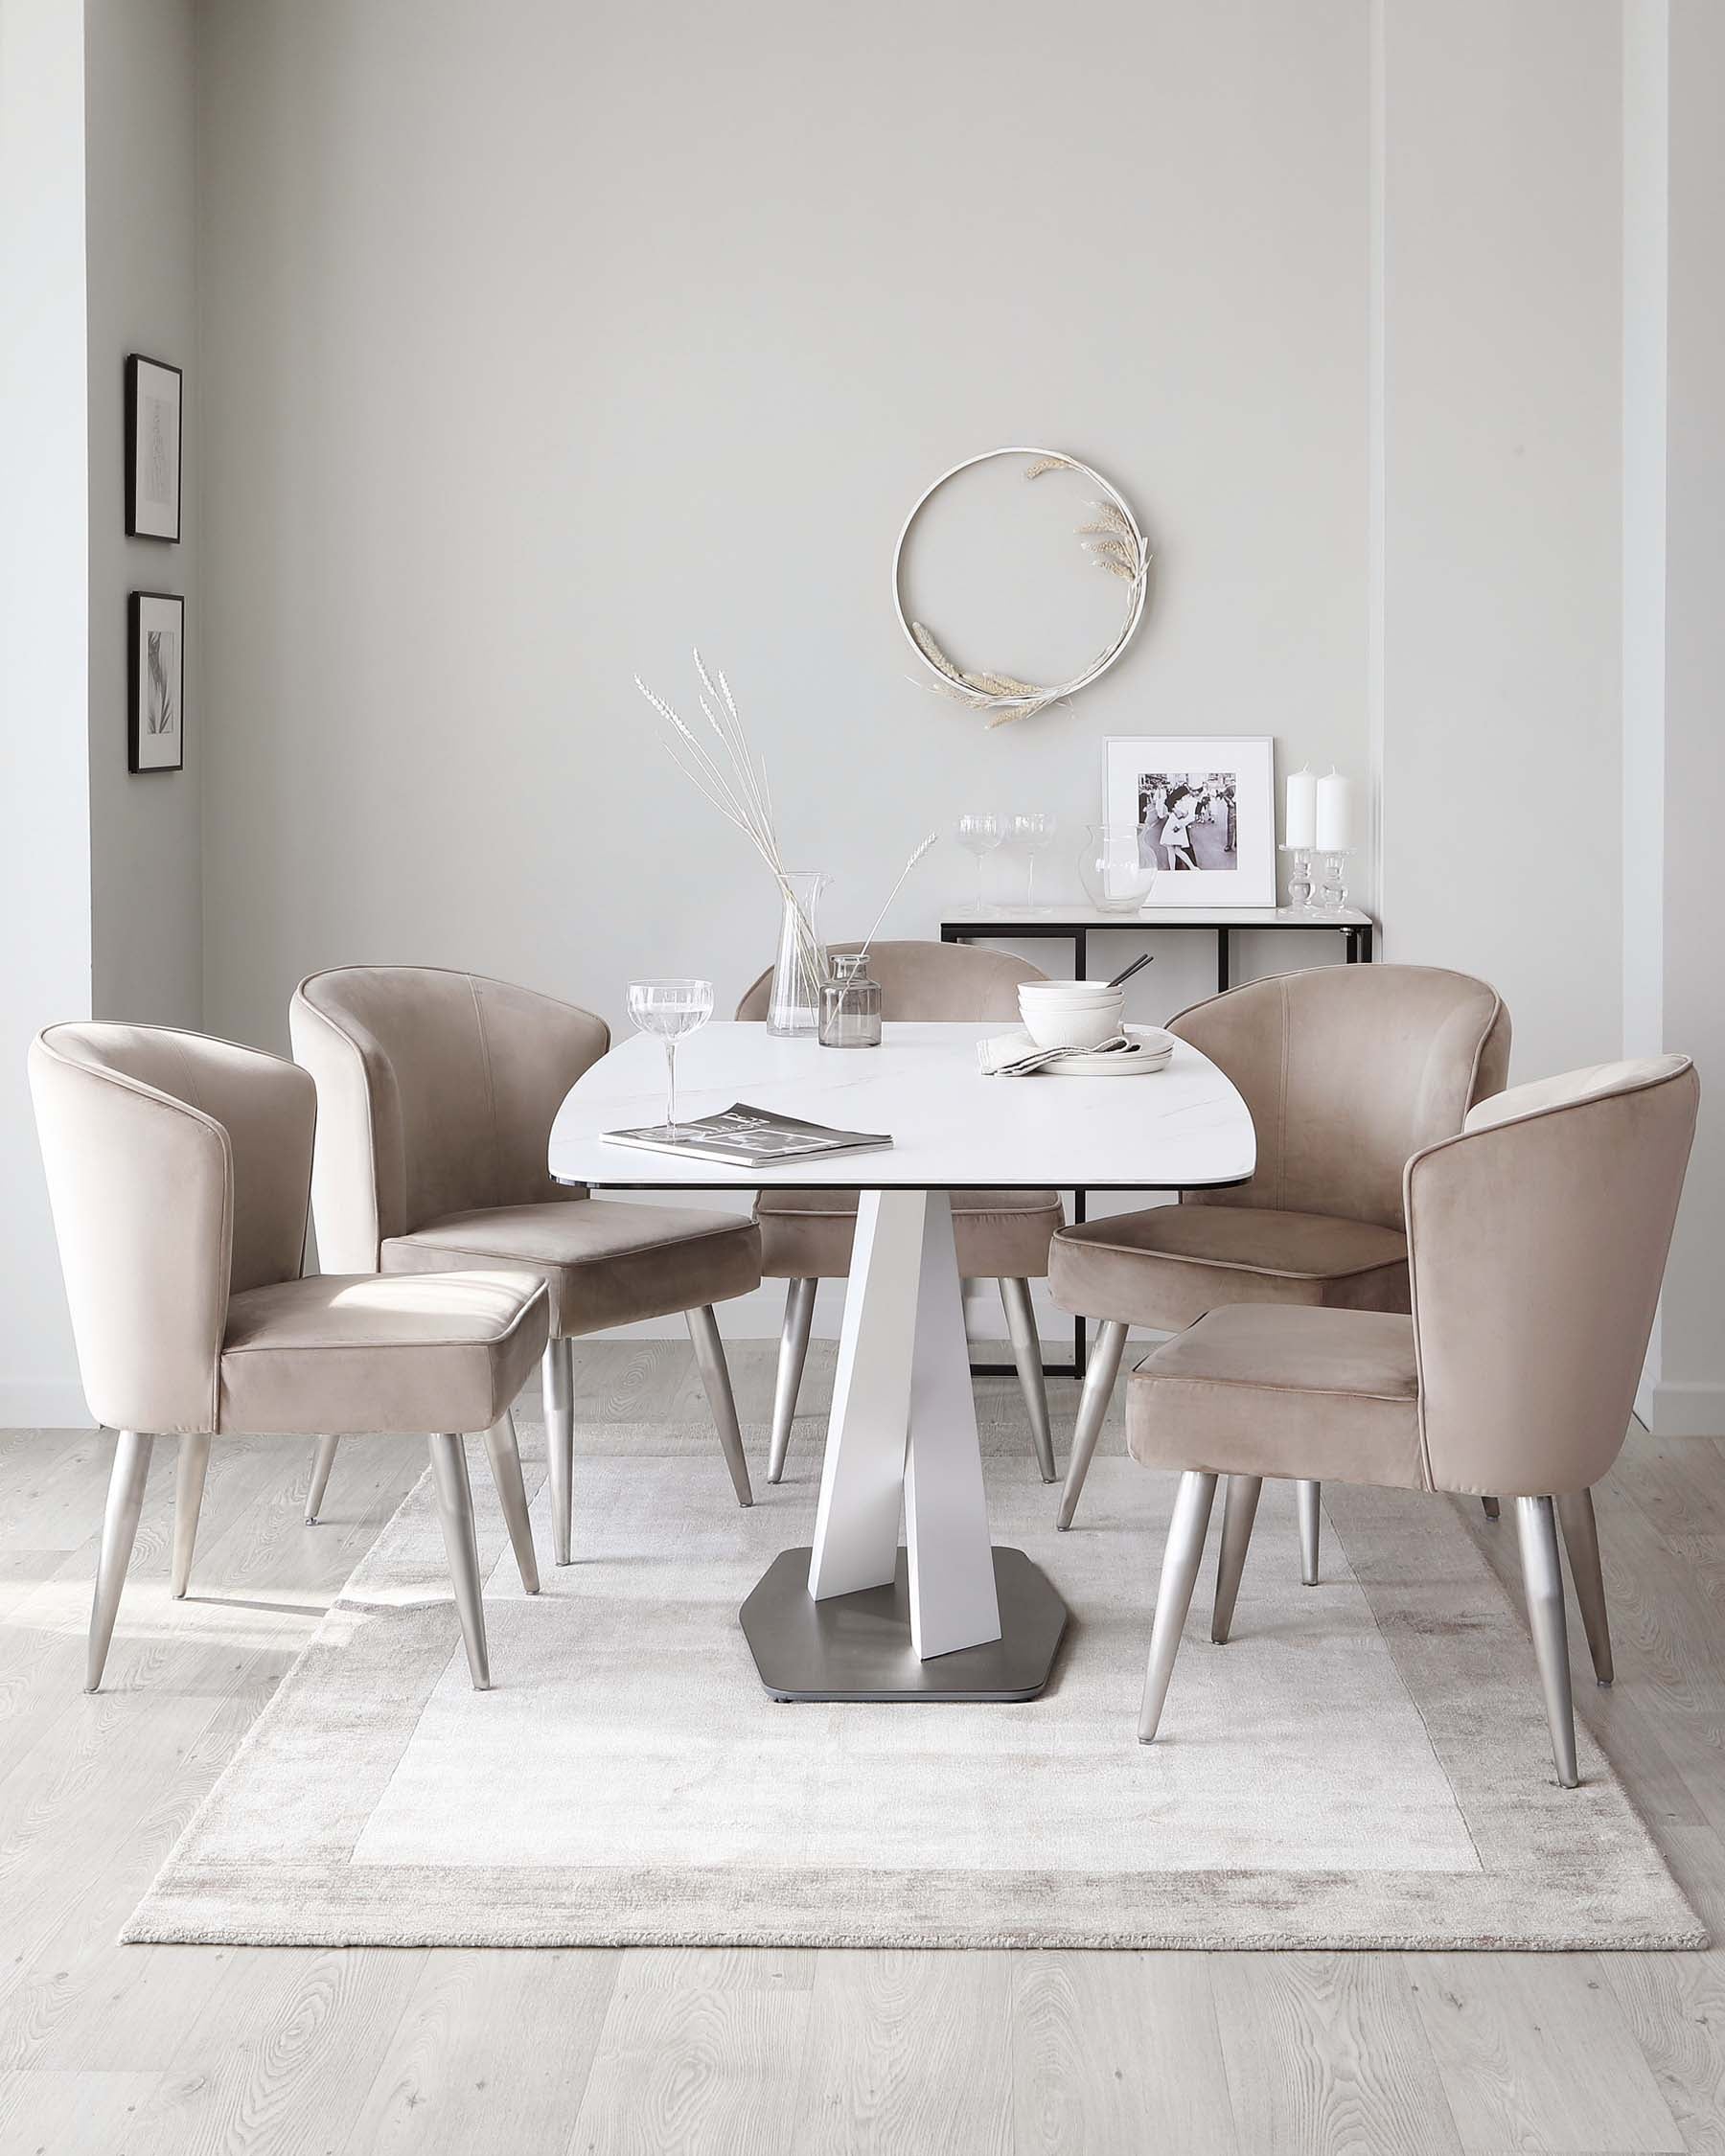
185	2050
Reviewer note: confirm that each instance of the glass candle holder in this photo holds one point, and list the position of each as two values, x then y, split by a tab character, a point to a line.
1301	880
1334	895
850	1004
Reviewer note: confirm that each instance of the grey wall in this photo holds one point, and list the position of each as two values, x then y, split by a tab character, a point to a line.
147	883
1500	394
542	343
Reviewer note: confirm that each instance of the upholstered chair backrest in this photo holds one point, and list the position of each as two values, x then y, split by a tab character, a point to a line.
179	1173
1348	1069
1538	1242
436	1093
929	981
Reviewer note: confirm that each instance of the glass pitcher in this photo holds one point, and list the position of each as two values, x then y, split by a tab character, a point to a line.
793	1000
1117	868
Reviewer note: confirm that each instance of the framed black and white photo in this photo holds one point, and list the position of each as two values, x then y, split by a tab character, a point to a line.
1203	807
153	448
157	730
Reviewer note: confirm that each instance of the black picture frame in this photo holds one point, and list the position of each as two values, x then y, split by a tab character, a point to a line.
138	439
150	688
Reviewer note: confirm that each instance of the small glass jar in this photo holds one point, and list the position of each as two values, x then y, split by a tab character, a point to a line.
850	1004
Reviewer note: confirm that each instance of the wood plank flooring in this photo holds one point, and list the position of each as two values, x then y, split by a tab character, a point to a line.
128	2051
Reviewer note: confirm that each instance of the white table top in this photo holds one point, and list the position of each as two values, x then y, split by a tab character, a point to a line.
953	1129
1059	915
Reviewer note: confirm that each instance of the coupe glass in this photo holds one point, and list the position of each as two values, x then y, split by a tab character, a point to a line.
1031	833
980	832
670	1009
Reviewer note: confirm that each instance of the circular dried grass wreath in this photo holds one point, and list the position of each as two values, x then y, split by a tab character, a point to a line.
1115	543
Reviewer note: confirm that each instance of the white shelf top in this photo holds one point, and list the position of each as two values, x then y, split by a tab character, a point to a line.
953	1129
1004	921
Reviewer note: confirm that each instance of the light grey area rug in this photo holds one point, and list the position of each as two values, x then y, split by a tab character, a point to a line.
1365	1765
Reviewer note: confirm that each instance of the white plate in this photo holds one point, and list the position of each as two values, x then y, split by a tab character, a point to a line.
1152	1051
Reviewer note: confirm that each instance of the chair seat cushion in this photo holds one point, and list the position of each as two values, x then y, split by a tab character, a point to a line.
342	1353
1307	1394
1001	1235
1168	1265
604	1263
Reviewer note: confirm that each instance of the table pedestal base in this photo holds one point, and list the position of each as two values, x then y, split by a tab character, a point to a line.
858	1646
941	1615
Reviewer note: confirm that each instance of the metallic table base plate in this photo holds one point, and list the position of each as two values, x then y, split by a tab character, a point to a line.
858	1646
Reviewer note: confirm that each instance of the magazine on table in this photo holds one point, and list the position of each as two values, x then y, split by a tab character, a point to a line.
747	1137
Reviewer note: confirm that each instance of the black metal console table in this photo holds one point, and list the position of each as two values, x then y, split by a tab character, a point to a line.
1073	924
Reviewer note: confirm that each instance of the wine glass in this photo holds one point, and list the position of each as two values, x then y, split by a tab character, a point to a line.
980	832
670	1009
1030	833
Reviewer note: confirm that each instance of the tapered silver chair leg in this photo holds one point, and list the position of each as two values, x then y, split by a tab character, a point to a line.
1099	1375
1180	1559
1542	1575
188	1495
505	1457
320	1477
715	1380
794	1353
558	1383
119	1531
455	1510
1490	1506
1310	1517
1026	1353
1239	1510
1581	1540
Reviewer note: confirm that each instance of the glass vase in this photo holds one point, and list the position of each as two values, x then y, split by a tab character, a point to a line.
850	1004
793	1000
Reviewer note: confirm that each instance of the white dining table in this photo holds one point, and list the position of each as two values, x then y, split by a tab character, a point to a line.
943	1614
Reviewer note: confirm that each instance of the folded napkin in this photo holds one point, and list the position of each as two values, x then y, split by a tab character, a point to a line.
1015	1055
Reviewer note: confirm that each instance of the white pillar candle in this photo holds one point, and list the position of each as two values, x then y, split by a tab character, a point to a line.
1335	814
1302	809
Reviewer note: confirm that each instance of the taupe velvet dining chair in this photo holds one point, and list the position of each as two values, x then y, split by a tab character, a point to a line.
1001	1235
1346	1070
1536	1243
180	1172
436	1093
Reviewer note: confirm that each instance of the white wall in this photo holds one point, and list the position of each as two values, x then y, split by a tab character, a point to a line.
44	708
500	414
1675	569
147	885
536	344
1646	274
100	877
1499	431
542	344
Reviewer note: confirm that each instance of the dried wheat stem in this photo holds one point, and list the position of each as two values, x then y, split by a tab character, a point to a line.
880	916
733	780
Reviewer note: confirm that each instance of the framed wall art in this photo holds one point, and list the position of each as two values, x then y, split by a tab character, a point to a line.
157	732
1203	807
153	448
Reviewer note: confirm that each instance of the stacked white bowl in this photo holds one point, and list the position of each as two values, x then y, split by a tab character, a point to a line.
1070	1014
